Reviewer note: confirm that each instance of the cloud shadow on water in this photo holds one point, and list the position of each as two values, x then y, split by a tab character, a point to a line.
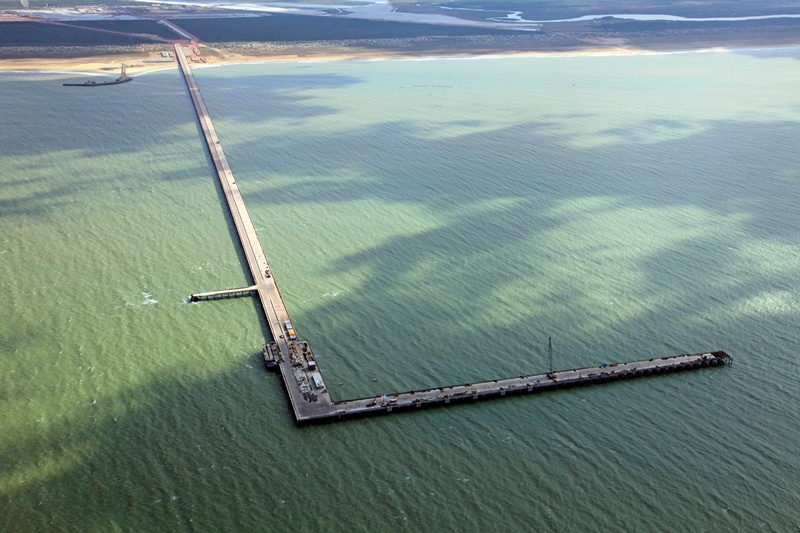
190	454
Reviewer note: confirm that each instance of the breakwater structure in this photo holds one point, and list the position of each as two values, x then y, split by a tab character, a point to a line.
308	394
123	78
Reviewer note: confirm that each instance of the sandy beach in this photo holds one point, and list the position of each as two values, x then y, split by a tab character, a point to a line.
97	65
109	64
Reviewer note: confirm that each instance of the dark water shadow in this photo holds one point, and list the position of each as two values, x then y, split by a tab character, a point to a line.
163	92
748	188
142	462
186	460
270	97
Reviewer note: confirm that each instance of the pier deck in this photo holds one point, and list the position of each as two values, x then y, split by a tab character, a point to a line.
297	378
308	394
530	384
223	294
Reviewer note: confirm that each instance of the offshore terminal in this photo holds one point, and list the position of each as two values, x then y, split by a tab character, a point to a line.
308	394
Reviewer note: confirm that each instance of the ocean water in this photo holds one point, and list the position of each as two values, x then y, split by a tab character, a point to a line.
429	223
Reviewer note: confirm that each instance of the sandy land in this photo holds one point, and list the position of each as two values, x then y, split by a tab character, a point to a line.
261	52
110	64
98	64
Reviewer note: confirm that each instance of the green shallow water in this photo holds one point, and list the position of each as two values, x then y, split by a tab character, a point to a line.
429	223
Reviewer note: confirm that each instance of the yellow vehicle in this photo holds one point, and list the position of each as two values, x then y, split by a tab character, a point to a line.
290	331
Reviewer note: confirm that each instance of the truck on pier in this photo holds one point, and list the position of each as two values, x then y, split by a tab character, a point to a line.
290	331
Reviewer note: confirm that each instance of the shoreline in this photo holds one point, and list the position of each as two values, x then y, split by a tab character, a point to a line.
109	64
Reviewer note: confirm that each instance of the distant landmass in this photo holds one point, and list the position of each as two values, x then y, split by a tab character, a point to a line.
402	28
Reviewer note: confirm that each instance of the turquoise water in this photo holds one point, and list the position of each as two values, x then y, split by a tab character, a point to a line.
429	223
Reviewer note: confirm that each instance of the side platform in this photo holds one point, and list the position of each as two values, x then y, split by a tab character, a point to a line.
224	294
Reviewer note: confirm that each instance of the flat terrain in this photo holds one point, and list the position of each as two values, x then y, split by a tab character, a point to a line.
294	28
39	34
71	44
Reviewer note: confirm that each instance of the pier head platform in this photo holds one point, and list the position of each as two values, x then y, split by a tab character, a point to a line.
308	394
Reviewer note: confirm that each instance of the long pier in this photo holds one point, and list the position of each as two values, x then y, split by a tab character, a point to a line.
530	384
308	394
292	357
